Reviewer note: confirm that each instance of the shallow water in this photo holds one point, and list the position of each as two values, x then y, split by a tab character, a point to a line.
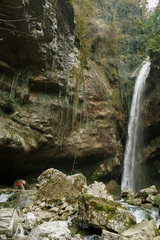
142	213
92	237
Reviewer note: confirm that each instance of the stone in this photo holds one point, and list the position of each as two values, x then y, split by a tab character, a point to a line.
30	221
77	237
150	198
54	209
147	192
106	235
135	201
144	230
51	231
8	221
112	185
98	189
128	194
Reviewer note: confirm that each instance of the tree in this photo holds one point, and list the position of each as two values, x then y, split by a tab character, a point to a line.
153	34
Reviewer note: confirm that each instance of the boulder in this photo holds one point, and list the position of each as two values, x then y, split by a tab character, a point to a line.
112	186
51	231
144	230
8	221
97	208
30	221
147	193
128	194
56	187
157	200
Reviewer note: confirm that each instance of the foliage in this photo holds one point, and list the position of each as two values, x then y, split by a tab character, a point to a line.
83	12
123	43
153	34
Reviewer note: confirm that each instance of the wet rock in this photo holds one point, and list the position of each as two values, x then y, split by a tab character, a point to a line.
8	221
147	193
131	198
128	194
51	231
144	230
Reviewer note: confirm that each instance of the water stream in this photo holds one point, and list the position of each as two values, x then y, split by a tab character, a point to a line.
131	172
142	213
5	196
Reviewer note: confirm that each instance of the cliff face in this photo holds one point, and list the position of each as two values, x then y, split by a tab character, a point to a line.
151	112
39	62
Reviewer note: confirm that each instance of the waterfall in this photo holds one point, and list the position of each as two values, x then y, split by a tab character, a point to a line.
131	171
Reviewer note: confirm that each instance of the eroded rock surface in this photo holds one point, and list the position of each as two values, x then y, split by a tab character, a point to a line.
38	85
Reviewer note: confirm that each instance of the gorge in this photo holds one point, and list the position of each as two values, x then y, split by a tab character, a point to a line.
73	74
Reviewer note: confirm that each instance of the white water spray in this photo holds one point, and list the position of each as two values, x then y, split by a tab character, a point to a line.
131	171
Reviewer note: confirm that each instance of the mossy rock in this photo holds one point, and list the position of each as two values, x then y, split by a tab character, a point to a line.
103	213
157	200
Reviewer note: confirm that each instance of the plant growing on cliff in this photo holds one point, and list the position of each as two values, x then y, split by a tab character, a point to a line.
153	34
83	13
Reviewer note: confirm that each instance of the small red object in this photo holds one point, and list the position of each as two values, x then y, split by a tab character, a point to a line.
19	183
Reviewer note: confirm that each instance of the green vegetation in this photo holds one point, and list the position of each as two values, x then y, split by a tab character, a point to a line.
153	34
83	12
98	204
157	200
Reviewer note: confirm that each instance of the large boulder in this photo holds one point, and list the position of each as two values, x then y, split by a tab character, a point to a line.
51	231
101	211
8	221
144	230
55	186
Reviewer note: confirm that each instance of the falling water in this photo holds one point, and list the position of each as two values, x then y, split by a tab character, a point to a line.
131	171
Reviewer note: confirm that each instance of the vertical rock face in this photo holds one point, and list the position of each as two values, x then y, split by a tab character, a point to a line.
40	61
151	109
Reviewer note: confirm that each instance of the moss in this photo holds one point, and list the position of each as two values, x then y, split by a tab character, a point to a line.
157	200
98	204
130	223
82	14
57	189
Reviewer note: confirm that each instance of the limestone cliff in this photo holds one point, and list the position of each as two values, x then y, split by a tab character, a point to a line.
39	62
151	110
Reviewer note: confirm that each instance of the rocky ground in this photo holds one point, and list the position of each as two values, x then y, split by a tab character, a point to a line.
64	207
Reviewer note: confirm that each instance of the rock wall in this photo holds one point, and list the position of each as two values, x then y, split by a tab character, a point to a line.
39	61
151	112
